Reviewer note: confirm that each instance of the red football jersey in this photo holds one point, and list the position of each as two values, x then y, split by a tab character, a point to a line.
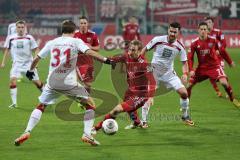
138	76
131	32
217	34
90	38
206	53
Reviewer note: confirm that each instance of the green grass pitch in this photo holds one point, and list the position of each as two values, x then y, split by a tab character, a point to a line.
215	136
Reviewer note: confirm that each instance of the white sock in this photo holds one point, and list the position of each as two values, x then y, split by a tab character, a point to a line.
184	103
145	110
88	121
33	120
13	93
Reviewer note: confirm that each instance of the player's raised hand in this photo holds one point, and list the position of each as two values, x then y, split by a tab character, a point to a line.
30	75
110	62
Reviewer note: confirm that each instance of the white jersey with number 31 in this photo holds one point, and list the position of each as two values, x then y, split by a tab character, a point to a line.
63	57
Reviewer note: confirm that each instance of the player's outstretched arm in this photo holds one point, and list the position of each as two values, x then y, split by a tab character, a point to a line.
35	63
144	51
101	58
6	52
185	71
36	51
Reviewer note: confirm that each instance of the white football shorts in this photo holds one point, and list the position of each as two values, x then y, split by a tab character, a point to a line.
19	69
49	95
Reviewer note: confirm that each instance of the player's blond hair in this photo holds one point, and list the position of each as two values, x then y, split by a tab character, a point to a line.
137	43
20	22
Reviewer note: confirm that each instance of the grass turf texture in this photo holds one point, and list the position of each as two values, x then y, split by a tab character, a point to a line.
215	136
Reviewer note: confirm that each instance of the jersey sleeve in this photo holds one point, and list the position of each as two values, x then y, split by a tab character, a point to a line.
33	43
224	54
81	46
153	43
95	40
45	51
7	43
191	51
119	58
183	54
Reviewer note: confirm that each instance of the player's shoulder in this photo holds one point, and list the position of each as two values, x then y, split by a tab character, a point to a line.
160	38
12	36
90	32
29	36
195	40
211	38
12	25
180	44
216	30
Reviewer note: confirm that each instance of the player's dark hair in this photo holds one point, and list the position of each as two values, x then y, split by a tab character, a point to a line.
137	43
208	18
83	17
20	22
68	26
175	25
202	24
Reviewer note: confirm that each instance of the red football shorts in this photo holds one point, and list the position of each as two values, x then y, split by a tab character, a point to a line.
203	74
85	73
133	103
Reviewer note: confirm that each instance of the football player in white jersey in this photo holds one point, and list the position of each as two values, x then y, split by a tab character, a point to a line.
62	79
20	46
167	47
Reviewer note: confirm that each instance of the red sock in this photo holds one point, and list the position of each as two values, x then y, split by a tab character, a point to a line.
99	125
214	84
12	86
229	92
134	117
41	107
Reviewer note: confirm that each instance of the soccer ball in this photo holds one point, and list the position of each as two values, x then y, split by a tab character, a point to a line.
110	126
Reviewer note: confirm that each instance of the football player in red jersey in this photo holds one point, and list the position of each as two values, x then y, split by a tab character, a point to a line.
217	33
208	63
85	66
139	79
130	32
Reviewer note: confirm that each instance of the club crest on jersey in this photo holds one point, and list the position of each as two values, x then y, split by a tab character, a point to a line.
198	46
210	45
89	39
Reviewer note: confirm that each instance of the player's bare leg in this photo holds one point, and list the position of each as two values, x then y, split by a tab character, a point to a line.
32	122
38	84
184	103
89	117
136	121
111	115
229	91
215	87
13	91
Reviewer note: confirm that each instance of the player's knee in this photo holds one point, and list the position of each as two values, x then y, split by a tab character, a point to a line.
13	82
90	107
118	109
41	107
